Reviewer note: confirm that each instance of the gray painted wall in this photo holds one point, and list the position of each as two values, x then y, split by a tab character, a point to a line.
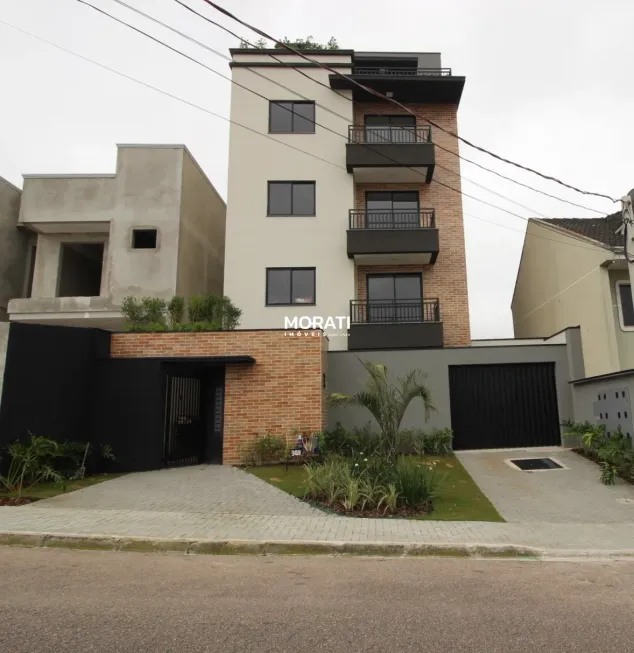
346	374
586	394
13	247
4	341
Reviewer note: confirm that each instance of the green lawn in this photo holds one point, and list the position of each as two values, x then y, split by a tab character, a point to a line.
459	498
48	490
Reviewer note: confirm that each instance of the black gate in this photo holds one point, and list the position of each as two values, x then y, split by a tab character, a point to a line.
184	434
504	406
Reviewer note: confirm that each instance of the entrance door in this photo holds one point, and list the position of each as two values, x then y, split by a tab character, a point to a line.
392	210
395	297
504	406
390	129
183	440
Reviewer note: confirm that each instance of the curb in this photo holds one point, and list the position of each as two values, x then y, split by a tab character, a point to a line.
304	547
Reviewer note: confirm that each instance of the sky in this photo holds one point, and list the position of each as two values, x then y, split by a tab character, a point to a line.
549	85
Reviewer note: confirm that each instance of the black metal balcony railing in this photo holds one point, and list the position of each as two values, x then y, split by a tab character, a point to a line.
384	311
388	134
396	71
404	219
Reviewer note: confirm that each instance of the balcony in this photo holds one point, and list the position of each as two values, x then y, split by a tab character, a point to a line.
390	154
406	83
400	237
395	324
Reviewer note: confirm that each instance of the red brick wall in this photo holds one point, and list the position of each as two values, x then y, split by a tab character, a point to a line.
281	392
446	279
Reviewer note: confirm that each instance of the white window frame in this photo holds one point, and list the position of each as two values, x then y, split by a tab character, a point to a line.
617	289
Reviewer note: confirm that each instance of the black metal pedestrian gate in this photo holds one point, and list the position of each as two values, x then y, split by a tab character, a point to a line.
184	440
504	406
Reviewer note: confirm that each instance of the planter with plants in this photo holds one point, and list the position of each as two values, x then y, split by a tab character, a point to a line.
613	451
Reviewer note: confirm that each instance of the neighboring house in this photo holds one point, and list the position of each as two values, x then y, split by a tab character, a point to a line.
573	272
13	246
156	227
346	221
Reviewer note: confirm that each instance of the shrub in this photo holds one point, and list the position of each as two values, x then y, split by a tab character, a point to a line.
371	483
341	441
214	309
260	450
438	442
176	311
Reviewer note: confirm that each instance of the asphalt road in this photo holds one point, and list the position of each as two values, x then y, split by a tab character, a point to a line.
67	601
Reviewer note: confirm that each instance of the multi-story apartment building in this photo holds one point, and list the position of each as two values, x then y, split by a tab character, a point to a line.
156	227
333	211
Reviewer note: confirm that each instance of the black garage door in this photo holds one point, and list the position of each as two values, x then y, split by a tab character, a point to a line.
500	406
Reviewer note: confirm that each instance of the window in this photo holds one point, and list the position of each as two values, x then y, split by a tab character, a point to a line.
395	297
31	272
292	117
625	305
144	238
386	209
80	270
291	198
287	286
393	129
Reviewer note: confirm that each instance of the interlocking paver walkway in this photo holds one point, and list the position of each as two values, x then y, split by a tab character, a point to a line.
572	495
223	503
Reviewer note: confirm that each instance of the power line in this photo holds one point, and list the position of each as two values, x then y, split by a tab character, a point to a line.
316	81
122	22
216	115
402	106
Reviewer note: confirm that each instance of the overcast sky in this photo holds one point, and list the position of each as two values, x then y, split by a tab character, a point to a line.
549	84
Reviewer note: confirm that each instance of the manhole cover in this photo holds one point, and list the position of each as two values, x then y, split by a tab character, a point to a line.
530	464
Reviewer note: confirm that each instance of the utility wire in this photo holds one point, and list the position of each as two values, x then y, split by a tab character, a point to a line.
316	81
216	115
477	199
223	56
402	106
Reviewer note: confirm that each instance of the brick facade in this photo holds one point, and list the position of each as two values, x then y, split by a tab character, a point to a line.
446	279
282	392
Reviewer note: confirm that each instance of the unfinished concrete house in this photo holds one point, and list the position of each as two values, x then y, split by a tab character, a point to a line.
154	228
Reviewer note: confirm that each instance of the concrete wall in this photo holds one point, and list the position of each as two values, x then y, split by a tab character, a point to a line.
347	375
586	393
255	241
201	242
148	195
624	337
4	343
560	285
13	247
65	200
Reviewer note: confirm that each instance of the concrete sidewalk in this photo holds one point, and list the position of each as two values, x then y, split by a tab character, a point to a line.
183	529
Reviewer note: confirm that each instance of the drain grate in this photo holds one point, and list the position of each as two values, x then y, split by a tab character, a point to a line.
530	464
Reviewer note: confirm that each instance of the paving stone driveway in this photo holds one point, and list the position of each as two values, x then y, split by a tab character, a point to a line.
572	495
203	489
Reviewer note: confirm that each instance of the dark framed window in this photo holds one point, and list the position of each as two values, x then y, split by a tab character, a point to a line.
393	129
386	209
625	305
291	117
144	238
290	286
291	198
395	297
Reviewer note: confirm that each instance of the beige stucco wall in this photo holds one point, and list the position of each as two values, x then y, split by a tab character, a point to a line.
624	338
255	241
13	244
560	285
201	244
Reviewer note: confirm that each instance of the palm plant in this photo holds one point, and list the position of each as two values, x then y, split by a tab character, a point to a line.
387	402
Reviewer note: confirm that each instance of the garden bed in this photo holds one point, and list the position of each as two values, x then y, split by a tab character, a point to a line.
458	498
49	490
593	456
